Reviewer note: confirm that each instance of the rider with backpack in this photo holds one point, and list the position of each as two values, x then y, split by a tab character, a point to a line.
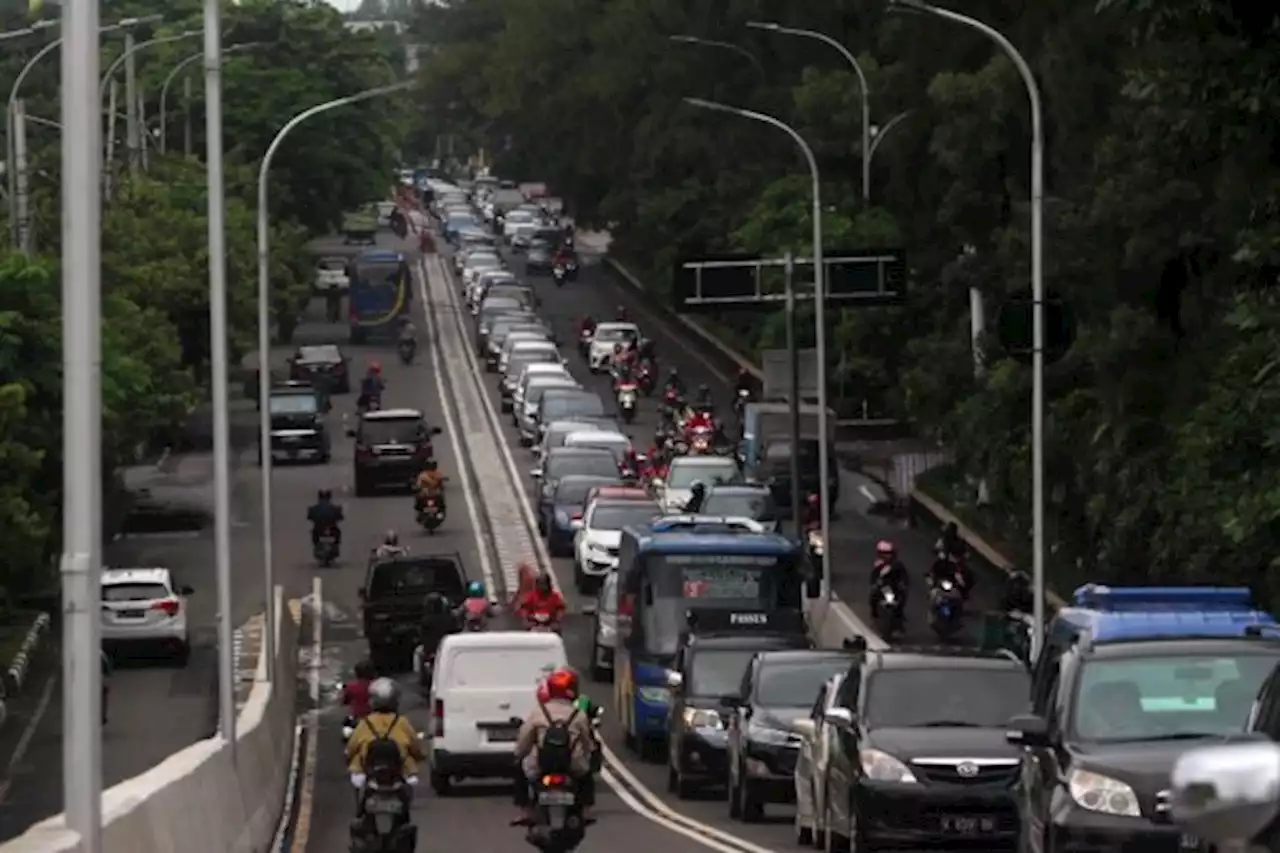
556	737
383	740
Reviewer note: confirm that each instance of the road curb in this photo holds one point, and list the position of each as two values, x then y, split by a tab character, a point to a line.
16	673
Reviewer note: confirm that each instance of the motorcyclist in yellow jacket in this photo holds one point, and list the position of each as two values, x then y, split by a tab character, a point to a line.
384	722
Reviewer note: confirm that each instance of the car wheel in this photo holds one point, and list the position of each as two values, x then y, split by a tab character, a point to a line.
804	835
362	486
441	784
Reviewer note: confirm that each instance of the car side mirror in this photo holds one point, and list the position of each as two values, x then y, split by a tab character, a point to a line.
186	590
840	718
1027	730
437	431
675	680
1226	794
535	473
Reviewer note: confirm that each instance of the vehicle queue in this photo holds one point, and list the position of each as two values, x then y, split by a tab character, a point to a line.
699	624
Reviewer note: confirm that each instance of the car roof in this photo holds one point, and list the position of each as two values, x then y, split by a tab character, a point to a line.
135	575
703	461
533	343
318	351
622	494
558	452
547	368
578	479
392	415
598	435
936	657
616	325
738	489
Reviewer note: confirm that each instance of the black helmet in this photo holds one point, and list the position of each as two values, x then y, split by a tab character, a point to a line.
436	603
429	465
365	670
324	495
698	488
543	583
951	529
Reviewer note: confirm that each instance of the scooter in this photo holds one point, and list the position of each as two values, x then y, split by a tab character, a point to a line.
430	514
627	401
584	341
700	440
385	826
542	623
559	274
946	608
644	377
407	348
557	822
889	612
326	548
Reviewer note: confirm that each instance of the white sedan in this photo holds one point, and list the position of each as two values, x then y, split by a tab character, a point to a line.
599	533
607	336
674	492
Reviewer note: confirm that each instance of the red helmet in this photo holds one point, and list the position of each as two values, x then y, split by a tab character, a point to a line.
375	367
813	500
563	684
544	694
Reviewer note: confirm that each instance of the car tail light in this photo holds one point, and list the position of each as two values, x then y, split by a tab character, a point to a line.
438	713
577	516
554	780
170	606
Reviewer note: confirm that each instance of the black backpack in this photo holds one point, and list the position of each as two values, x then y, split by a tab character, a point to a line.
383	753
555	753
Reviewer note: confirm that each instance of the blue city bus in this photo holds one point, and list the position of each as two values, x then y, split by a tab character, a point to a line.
665	570
381	290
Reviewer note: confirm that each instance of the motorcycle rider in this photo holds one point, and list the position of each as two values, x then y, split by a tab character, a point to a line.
561	691
947	566
888	570
430	484
383	723
697	497
744	381
439	620
630	463
476	605
952	555
950	542
1019	593
355	693
324	515
390	547
542	599
563	256
811	513
372	386
408	332
674	382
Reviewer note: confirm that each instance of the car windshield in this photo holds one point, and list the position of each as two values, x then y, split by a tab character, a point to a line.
327	352
536	390
947	696
573	490
757	506
615	333
460	220
1167	697
523	359
416	577
482	261
133	591
617	448
587	464
393	431
794	683
577	405
519	216
718	672
718	471
618	516
293	404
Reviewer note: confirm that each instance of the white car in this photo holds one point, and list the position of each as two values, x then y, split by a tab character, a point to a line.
674	492
607	336
331	274
817	738
515	219
614	442
527	413
606	630
522	236
143	609
531	372
480	262
599	533
527	343
476	289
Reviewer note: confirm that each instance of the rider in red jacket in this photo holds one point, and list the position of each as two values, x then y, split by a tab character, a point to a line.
355	693
542	599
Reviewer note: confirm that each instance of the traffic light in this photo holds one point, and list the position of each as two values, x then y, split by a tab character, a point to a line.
1016	331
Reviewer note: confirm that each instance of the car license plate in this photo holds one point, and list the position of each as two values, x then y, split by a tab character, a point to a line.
384	805
1189	842
967	825
504	735
291	439
131	614
556	798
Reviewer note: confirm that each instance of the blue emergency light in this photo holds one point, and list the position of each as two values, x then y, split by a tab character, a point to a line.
1201	599
695	524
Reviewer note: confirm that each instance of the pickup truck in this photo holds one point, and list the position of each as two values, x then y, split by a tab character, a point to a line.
393	603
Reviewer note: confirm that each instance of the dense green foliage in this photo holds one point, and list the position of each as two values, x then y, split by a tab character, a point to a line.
155	334
1163	453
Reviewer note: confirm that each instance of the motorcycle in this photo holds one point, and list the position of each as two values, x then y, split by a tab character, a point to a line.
629	474
644	377
889	612
407	348
946	608
326	548
384	825
585	337
557	824
627	401
475	615
700	439
430	514
559	274
542	623
740	401
817	546
426	666
671	403
368	403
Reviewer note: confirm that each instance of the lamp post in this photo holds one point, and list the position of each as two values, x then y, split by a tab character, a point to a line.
1037	296
819	313
723	45
131	91
124	24
172	75
264	335
862	85
879	133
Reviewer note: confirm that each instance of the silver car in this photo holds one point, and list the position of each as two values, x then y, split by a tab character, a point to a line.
527	416
605	633
817	737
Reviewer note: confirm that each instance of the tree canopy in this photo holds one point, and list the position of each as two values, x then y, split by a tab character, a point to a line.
155	332
1161	229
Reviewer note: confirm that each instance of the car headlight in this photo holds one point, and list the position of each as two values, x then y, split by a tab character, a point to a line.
1102	794
655	695
597	554
700	718
883	767
767	735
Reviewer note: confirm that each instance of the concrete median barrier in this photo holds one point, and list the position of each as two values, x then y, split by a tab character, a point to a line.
198	800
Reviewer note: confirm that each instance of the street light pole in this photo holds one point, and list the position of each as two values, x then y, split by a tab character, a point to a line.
16	89
862	85
168	80
81	563
878	134
820	319
1037	298
264	335
723	45
131	93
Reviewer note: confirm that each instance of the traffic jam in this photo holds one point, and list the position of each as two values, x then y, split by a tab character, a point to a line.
697	572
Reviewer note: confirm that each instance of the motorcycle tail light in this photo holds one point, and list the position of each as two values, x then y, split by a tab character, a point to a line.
577	516
554	780
438	713
170	606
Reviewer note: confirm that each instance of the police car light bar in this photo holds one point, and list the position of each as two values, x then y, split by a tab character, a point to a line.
1138	598
705	523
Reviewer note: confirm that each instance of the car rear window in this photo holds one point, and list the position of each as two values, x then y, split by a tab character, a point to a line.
293	404
334	264
412	577
393	431
489	668
133	591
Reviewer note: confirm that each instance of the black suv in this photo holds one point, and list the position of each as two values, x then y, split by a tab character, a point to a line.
919	757
298	430
393	603
1108	723
392	446
777	692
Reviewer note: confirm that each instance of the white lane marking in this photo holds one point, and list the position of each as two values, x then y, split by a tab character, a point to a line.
28	734
652	807
302	828
454	425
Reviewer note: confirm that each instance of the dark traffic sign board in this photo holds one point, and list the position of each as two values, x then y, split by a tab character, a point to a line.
708	284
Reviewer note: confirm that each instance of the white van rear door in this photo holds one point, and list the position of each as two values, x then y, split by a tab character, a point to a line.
490	689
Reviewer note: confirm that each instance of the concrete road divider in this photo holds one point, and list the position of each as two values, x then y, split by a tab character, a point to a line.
197	800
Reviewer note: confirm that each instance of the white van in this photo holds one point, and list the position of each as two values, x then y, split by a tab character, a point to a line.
484	683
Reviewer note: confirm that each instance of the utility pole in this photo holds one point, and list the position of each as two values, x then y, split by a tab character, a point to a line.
145	138
22	167
131	101
108	172
793	393
186	120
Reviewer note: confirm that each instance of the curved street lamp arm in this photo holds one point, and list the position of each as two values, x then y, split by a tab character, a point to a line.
884	131
120	60
723	45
